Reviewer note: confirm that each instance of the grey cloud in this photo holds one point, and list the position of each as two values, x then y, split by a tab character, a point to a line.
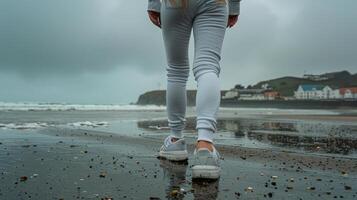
51	40
278	38
47	36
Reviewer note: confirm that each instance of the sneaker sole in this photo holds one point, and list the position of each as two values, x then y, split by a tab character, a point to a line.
174	155
205	172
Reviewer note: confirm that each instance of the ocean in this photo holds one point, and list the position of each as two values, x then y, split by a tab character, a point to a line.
331	132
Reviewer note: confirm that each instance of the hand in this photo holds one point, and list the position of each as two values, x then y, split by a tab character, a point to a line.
232	20
155	18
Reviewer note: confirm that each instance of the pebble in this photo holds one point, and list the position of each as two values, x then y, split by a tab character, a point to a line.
23	178
344	173
102	174
174	193
249	189
348	187
310	188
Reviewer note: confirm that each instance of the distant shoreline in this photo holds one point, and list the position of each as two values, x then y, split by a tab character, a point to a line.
291	104
158	97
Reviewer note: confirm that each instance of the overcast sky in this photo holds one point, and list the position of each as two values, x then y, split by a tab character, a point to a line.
107	51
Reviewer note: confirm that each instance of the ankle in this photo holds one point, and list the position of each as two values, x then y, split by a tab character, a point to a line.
204	144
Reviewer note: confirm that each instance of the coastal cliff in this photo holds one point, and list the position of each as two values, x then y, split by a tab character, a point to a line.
158	97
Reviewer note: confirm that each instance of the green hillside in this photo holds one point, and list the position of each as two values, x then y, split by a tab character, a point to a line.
284	85
287	85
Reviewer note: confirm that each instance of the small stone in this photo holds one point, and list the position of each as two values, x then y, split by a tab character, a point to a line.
174	193
348	187
23	178
249	189
344	173
102	174
311	188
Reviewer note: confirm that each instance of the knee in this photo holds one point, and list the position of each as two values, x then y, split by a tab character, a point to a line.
208	62
178	73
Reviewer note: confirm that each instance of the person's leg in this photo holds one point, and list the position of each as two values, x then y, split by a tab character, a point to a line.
176	26
209	28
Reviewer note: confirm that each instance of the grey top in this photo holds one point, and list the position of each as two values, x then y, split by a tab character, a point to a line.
233	5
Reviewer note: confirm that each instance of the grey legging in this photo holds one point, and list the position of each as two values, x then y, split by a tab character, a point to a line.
208	19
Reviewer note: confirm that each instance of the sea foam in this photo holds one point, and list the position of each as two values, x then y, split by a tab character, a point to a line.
5	106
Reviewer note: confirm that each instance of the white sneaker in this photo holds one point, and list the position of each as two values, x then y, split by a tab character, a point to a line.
206	164
174	151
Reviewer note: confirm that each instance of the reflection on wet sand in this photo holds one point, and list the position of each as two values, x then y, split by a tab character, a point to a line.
308	136
175	177
203	190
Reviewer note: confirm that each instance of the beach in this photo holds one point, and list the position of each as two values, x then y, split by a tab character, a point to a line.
112	154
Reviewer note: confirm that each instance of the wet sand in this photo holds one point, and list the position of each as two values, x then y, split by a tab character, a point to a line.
64	163
341	118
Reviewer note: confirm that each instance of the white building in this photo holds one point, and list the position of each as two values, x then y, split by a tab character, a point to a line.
231	94
316	92
251	94
348	93
251	97
330	93
245	94
315	77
